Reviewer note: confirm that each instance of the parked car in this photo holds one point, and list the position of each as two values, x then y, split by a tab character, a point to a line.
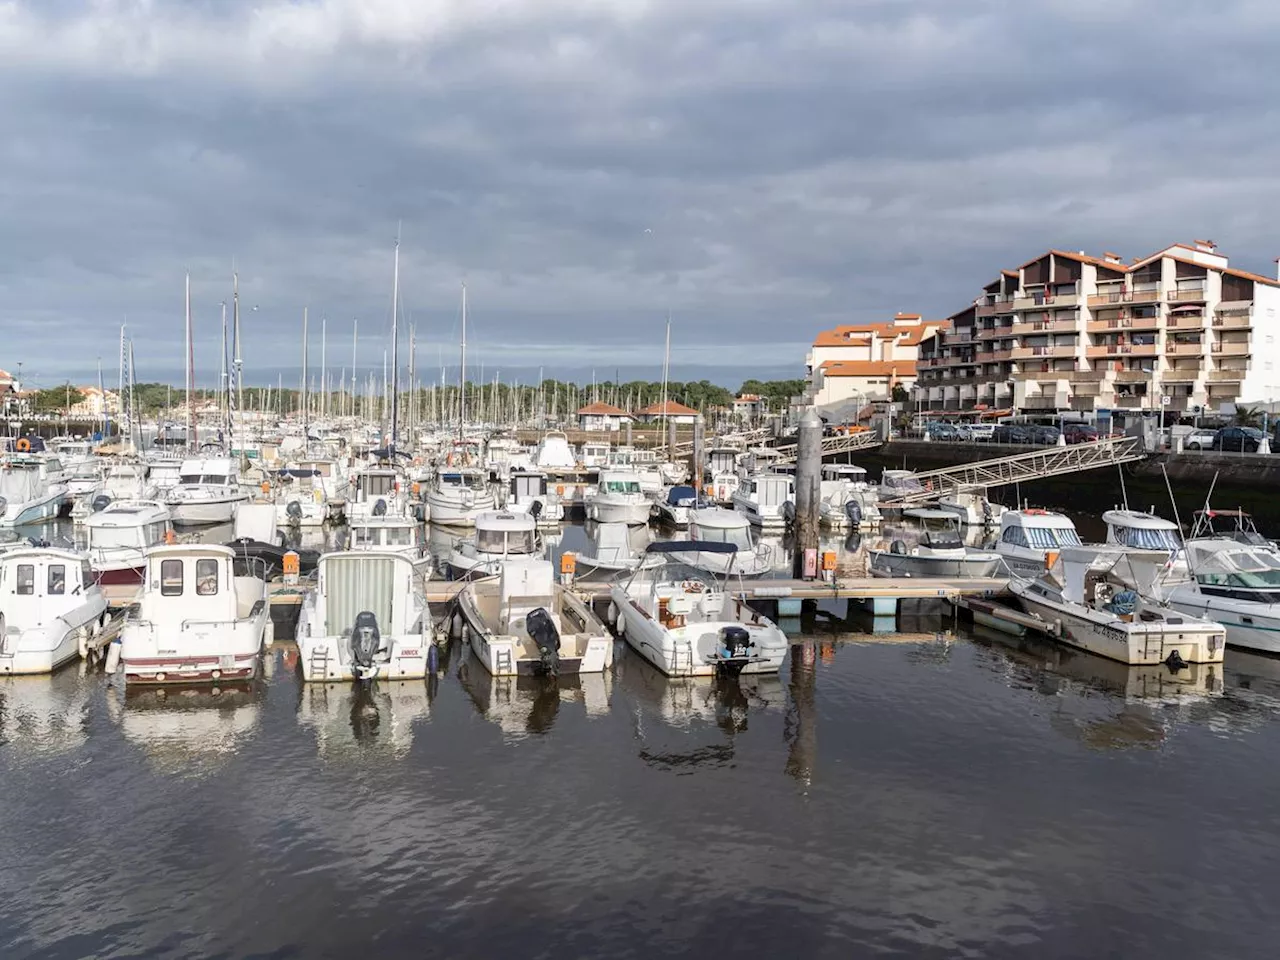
1199	440
1011	433
1238	439
979	432
1045	435
942	431
1080	432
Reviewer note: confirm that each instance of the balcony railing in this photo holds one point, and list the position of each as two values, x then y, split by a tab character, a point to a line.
1186	321
1225	376
1041	403
1132	376
1026	353
1184	349
1193	295
1104	297
1090	376
1123	323
1122	350
1002	354
1145	296
1043	375
1232	320
1130	402
1044	326
984	356
1230	349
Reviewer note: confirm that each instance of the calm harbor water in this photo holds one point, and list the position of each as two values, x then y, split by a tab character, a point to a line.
929	795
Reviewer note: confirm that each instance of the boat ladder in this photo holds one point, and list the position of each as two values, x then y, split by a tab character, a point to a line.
502	662
320	661
681	658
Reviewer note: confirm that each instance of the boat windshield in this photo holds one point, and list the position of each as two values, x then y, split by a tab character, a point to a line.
1253	569
213	479
1042	538
513	541
109	538
902	483
621	486
1147	538
740	536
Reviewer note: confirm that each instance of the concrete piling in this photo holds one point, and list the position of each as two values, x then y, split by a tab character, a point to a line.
808	493
698	427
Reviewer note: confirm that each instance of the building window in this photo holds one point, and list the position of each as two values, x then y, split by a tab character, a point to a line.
170	578
26	579
57	579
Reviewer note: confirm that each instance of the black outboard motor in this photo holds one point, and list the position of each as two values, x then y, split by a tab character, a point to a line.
366	641
734	652
789	512
535	510
853	511
100	502
380	508
542	630
293	511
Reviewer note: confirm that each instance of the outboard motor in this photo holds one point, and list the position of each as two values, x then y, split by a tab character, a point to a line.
366	641
853	512
789	512
293	511
535	510
380	508
542	631
734	651
99	503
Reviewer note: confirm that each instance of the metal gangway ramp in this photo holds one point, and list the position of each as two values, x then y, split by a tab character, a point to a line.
1025	467
746	440
834	446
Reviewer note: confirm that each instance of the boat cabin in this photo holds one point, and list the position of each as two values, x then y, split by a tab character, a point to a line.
769	490
595	454
619	482
218	472
350	584
374	483
190	584
397	534
504	534
127	524
720	526
1227	568
461	478
1144	531
1038	529
895	484
722	460
39	584
938	529
526	486
844	471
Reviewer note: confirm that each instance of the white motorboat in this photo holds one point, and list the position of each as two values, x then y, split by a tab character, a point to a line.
458	495
848	501
84	483
366	619
618	498
523	622
1234	584
385	533
897	484
716	525
199	618
165	473
644	464
31	489
498	538
687	622
1096	598
376	491
128	480
1146	531
208	491
554	453
677	503
611	548
972	508
762	499
722	468
310	493
50	608
117	538
529	492
594	454
940	552
1031	539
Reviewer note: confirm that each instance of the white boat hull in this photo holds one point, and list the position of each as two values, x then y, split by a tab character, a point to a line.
633	514
328	659
884	563
36	511
196	512
452	513
45	648
196	653
1250	626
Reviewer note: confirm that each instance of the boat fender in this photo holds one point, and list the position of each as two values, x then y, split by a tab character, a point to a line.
898	547
82	641
113	657
542	631
853	512
433	659
100	502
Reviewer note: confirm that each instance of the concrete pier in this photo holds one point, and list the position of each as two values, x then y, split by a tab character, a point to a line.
808	490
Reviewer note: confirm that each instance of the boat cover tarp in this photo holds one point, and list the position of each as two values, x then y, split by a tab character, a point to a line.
691	546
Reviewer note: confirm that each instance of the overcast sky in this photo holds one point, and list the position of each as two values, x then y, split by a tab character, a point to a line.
760	169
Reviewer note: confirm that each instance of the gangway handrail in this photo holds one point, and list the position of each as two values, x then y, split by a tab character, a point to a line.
840	443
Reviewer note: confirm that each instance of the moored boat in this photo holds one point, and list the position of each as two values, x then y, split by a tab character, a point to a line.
939	552
50	608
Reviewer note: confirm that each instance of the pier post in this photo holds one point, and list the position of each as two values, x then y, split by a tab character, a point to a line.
698	426
808	491
671	437
628	428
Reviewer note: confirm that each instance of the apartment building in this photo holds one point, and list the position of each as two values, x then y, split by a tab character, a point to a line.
865	360
1176	330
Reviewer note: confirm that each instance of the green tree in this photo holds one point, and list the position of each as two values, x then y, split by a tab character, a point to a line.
1247	417
55	399
900	394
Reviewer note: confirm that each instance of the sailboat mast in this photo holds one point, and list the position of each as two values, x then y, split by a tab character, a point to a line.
237	363
192	443
462	371
666	370
324	368
355	345
302	396
395	344
223	406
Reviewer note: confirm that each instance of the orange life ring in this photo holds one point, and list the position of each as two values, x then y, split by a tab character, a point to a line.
23	445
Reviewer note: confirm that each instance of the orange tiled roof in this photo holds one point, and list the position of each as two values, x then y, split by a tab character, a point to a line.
1080	257
673	410
599	409
868	368
862	334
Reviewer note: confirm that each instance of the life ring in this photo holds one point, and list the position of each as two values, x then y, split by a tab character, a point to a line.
23	445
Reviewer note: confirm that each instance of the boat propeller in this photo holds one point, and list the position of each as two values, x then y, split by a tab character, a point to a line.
542	631
366	641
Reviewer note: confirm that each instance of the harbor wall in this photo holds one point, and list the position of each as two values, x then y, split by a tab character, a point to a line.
1248	481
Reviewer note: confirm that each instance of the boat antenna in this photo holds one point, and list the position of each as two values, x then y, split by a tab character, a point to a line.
1176	519
1124	494
1204	512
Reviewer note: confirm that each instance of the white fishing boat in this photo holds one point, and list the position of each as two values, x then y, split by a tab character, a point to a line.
618	498
554	453
687	622
1234	584
896	484
971	507
366	619
1097	598
50	608
611	548
848	501
165	473
387	533
31	489
762	499
939	552
499	537
529	492
716	525
523	622
644	464
594	453
116	541
1146	531
722	468
376	491
128	480
199	618
310	493
208	491
677	503
1031	539
458	495
84	483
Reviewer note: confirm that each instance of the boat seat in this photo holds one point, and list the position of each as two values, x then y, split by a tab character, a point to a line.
519	608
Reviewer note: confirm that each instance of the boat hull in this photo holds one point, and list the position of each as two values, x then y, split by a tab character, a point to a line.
884	563
198	512
328	659
451	513
205	653
45	508
1249	629
632	514
39	650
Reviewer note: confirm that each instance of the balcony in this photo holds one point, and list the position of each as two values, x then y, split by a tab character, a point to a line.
1041	300
995	333
993	309
1122	323
1087	389
1230	349
1042	376
1132	376
984	356
1184	349
1002	354
1090	376
1122	350
1027	353
1226	376
1104	297
1186	321
1040	403
1130	403
1233	320
1188	296
1044	326
1181	375
1144	296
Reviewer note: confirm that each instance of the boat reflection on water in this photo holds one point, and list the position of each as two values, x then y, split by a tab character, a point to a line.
529	705
693	721
43	715
1141	705
357	719
189	731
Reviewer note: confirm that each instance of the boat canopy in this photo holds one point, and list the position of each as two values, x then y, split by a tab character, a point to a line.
682	496
691	546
